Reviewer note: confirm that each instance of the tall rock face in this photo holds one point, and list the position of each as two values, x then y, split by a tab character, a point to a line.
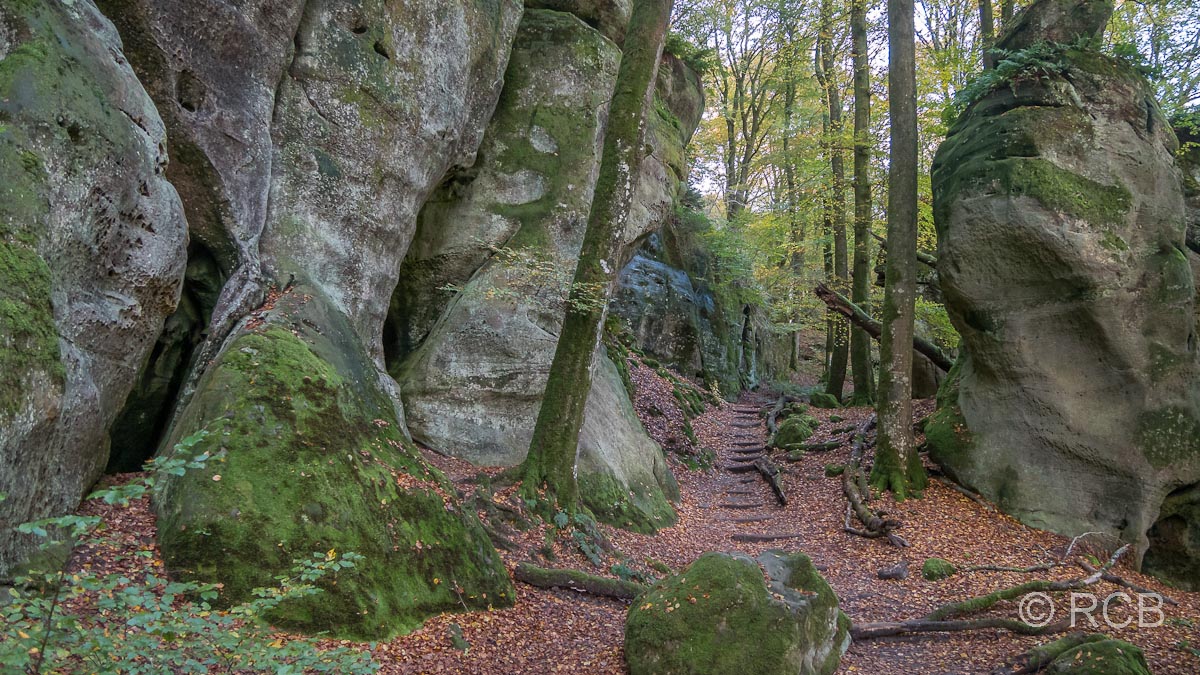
472	361
380	101
312	132
670	308
1060	215
92	252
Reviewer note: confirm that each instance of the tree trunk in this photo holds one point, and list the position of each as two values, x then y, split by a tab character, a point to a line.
897	466
860	342
873	329
987	32
835	201
1006	13
555	443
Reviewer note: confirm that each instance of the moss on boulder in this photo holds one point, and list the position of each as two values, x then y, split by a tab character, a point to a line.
718	616
793	431
936	569
821	399
1101	657
308	456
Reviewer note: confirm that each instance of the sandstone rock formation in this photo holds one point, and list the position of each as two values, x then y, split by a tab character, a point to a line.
719	617
92	251
1076	403
305	138
508	233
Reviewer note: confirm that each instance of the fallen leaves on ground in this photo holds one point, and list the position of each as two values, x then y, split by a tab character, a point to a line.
563	631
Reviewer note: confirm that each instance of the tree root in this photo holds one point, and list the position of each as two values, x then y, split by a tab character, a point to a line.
949	617
854	486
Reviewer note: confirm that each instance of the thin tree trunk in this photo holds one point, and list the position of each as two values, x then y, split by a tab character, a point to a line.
987	32
860	342
1006	13
897	465
552	452
835	202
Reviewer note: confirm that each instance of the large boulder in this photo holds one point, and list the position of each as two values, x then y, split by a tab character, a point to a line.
720	617
92	252
308	455
1076	402
473	374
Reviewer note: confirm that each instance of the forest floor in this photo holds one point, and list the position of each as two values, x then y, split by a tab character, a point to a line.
564	631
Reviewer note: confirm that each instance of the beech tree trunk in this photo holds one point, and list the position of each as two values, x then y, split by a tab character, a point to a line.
552	452
860	342
897	467
835	201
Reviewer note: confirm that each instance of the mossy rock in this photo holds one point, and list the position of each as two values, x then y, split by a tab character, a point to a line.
643	509
793	431
308	456
824	400
1102	657
936	569
719	617
832	470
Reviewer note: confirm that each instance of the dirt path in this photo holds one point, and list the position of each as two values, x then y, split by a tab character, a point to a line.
562	631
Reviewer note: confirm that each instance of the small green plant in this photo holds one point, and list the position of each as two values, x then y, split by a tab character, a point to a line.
627	573
76	622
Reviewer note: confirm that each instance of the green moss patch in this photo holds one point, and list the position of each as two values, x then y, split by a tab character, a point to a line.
936	569
718	617
308	457
642	509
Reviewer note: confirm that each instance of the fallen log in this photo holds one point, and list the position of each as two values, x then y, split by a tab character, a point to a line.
948	617
922	257
575	580
770	473
842	305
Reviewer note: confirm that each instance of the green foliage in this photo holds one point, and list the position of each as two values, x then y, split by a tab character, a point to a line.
699	59
1039	61
151	624
935	318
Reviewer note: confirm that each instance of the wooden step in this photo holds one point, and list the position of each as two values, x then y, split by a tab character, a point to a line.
744	444
752	519
765	537
740	468
738	505
739	492
746	425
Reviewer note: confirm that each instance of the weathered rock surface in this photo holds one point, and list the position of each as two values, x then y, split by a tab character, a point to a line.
474	384
609	17
1076	403
92	252
307	456
669	307
720	617
379	102
312	133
